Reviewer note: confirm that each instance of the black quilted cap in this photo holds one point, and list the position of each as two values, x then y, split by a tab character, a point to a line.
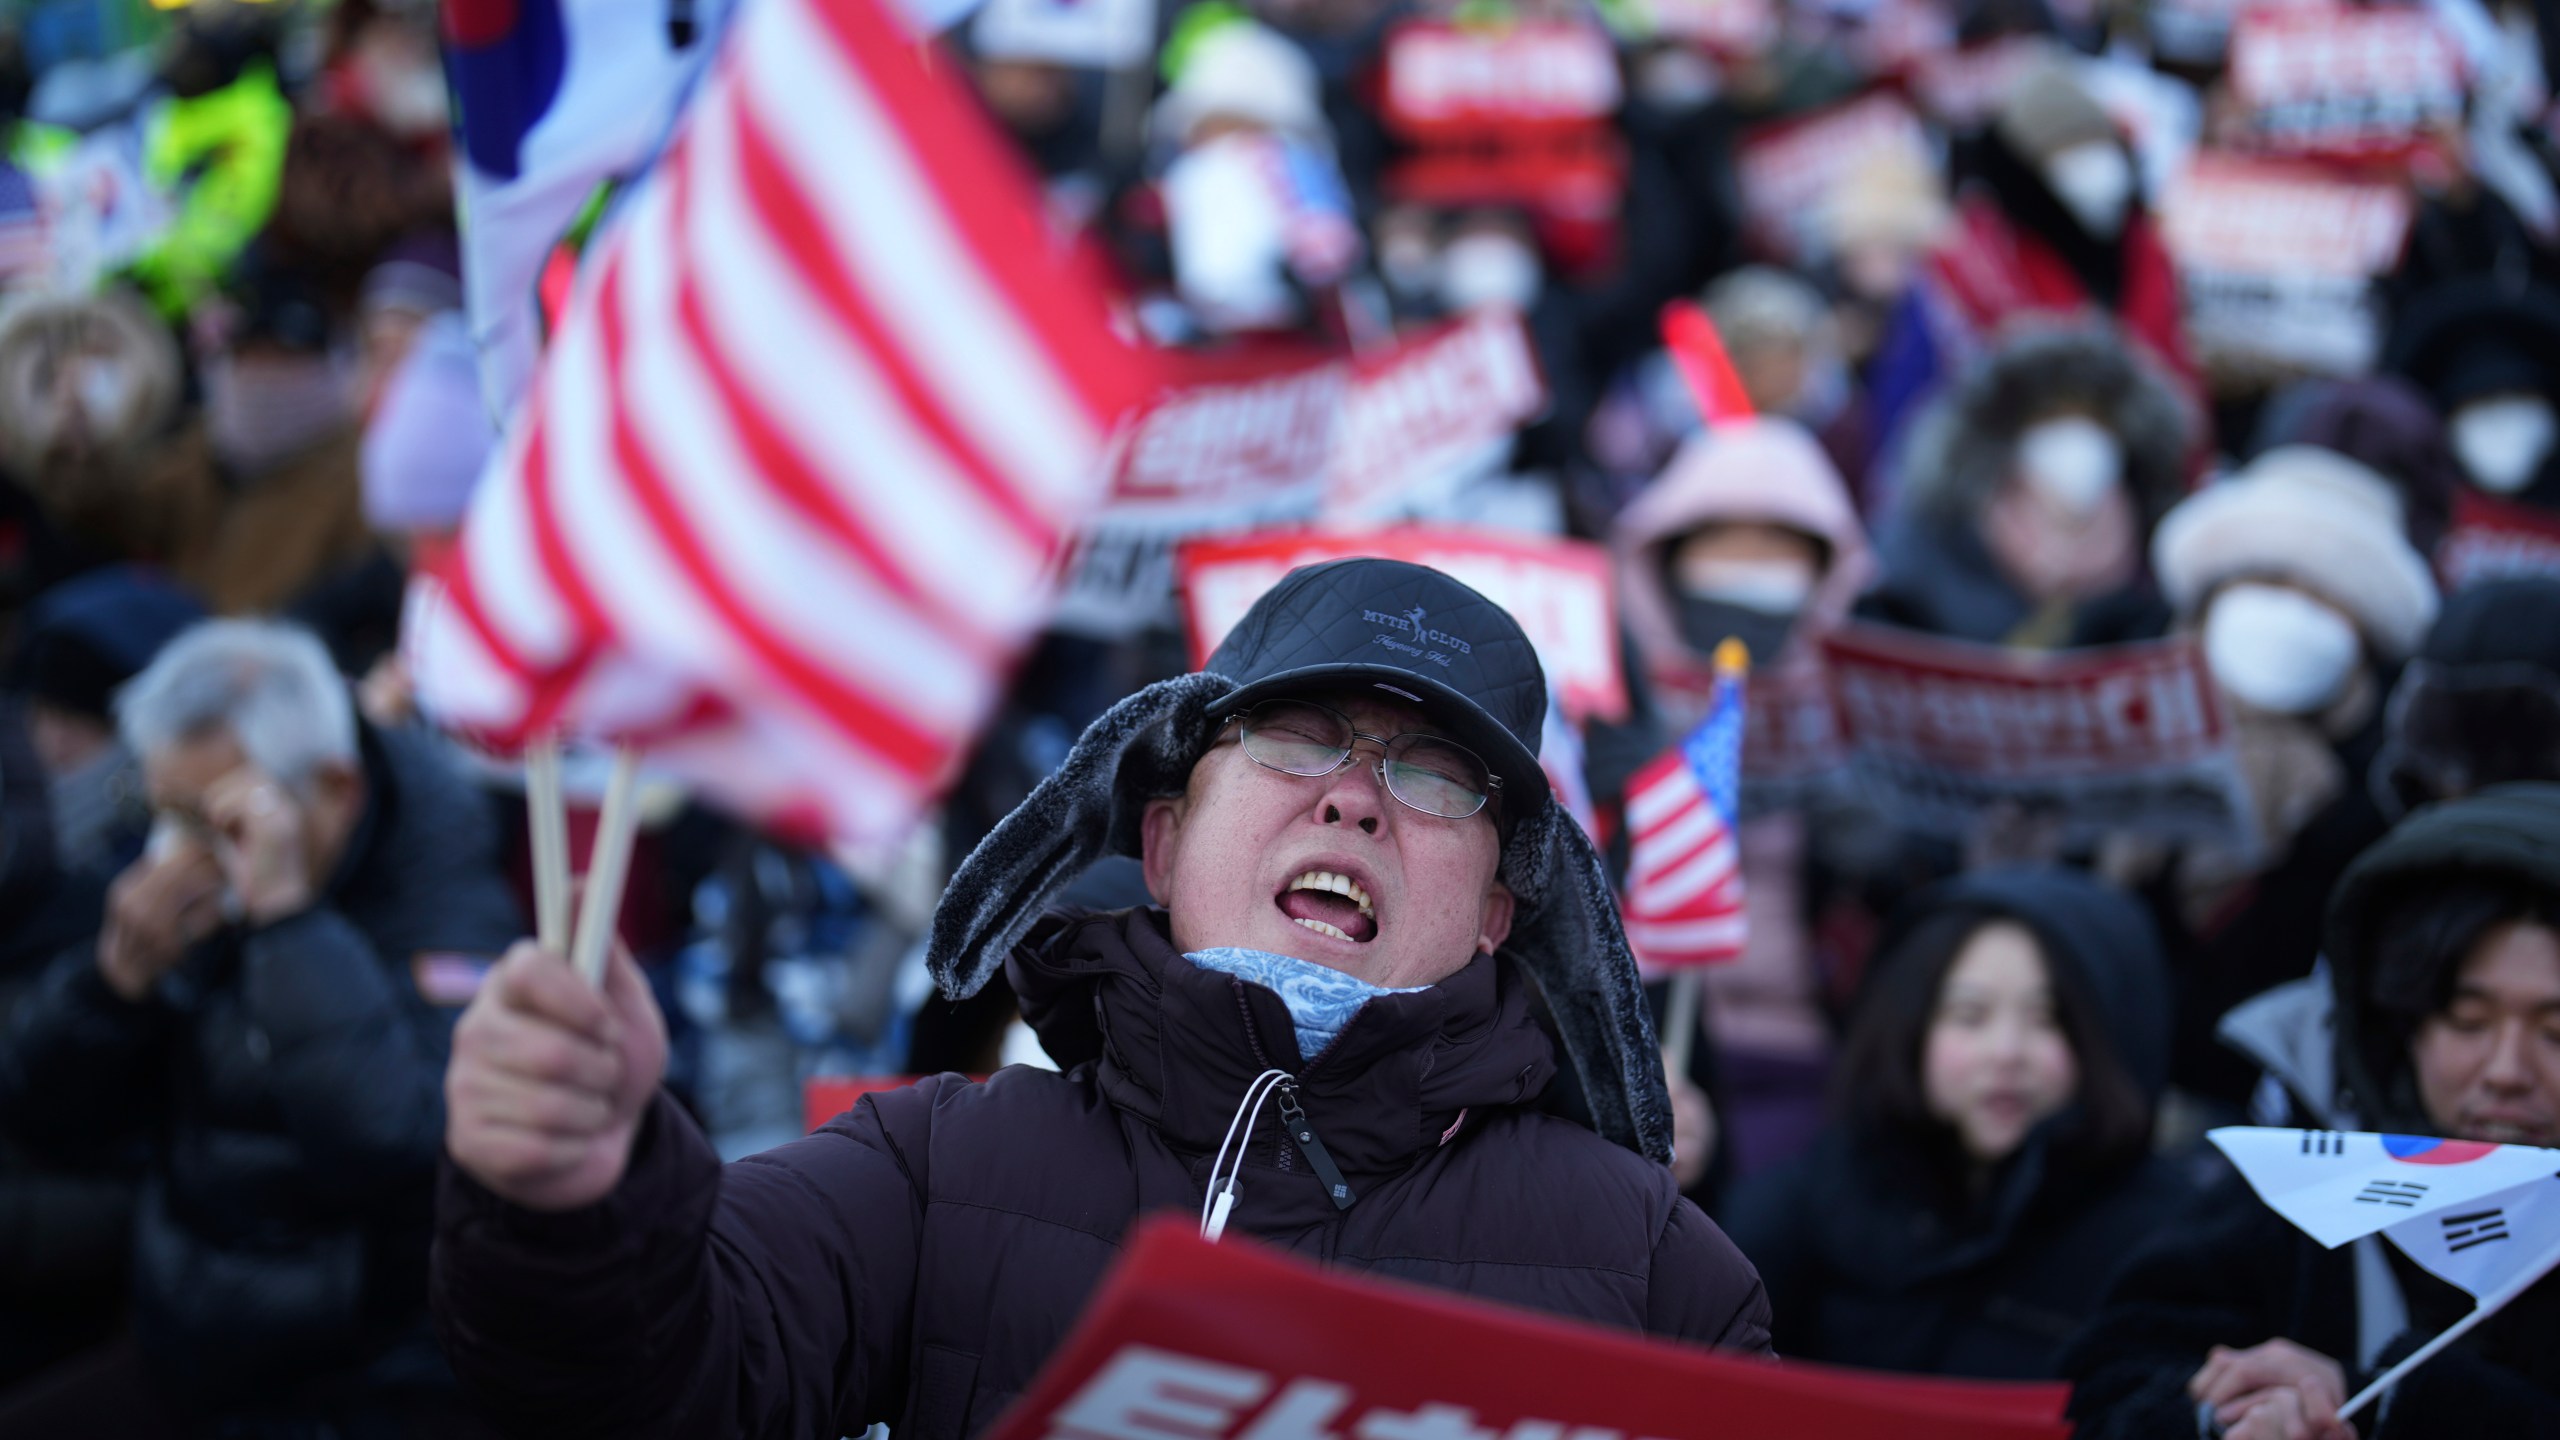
1412	632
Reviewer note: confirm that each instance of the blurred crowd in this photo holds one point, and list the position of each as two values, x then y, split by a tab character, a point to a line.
2062	324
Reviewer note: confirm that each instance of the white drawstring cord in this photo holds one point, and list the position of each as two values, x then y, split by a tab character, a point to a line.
1215	1205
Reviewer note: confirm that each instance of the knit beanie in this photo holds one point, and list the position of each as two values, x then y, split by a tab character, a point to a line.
2049	111
2312	517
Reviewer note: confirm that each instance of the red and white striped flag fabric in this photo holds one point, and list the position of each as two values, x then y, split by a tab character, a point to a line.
1684	872
785	500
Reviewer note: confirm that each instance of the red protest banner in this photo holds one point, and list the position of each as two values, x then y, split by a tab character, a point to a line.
1293	439
1559	590
2127	737
2367	83
2276	260
1447	81
2495	539
1789	170
1193	1341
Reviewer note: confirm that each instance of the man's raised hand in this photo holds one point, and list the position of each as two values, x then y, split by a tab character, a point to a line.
550	1078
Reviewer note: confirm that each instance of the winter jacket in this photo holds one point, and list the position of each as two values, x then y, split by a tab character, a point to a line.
918	1258
1869	1263
290	1079
2232	1272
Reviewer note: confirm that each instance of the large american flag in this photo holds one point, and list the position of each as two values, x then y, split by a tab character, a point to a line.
784	501
1684	874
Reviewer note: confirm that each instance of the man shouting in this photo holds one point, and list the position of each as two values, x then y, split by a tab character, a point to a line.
1360	873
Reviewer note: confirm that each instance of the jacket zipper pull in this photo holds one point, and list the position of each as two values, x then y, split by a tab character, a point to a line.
1293	1118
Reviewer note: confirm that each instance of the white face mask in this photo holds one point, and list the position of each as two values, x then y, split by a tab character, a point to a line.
2072	461
2279	650
1488	268
2503	440
2094	181
1779	587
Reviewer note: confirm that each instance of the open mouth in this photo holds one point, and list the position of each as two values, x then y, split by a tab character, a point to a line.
1330	904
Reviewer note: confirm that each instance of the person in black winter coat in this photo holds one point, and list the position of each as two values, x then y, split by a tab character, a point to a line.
1354	929
2444	950
252	1010
1990	1161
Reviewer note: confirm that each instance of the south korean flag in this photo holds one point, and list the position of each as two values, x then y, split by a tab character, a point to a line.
2484	1244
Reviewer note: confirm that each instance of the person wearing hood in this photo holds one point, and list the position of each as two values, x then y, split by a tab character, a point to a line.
2487	354
2444	951
1750	534
1361	871
2049	221
2298	578
2029	492
1990	1158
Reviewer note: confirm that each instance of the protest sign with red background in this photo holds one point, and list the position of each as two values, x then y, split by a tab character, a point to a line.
1789	170
1293	437
2494	539
1512	114
2363	83
1560	591
2120	738
2277	261
1193	1341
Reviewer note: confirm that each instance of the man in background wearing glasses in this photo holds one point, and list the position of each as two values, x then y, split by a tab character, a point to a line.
1360	872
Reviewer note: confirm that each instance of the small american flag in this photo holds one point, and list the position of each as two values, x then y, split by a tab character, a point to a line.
788	494
1684	875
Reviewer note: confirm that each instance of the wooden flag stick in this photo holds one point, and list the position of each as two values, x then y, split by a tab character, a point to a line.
549	823
609	864
2490	1304
1680	1018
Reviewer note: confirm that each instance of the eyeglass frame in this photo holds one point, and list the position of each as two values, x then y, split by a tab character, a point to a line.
1492	781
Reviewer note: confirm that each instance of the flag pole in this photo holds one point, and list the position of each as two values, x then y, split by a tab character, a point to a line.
2490	1304
1689	982
601	907
549	824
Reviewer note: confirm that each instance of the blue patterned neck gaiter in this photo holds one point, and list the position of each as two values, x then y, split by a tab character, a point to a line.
1321	999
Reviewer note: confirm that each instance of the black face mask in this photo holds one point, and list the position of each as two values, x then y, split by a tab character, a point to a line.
1705	624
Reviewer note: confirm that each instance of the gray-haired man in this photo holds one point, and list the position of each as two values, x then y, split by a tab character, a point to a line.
250	1009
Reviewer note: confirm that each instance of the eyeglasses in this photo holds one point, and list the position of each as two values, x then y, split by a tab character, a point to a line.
1432	775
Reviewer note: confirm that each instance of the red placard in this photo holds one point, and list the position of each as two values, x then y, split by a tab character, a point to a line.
1447	81
1192	1341
1559	590
1789	170
2126	737
2276	260
2372	83
2494	539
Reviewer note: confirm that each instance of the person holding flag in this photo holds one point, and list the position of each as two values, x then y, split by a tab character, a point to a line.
2444	950
1360	869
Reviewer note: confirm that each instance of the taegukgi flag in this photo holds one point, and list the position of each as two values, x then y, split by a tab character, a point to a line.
2483	1244
2337	1185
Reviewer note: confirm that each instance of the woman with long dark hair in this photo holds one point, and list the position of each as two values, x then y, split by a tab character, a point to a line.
1989	1157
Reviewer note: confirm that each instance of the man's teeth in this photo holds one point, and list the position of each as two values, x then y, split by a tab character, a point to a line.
1322	928
1342	885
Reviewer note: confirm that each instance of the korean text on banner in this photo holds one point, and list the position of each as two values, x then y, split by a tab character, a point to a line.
1791	170
1559	590
1193	1341
1296	440
2277	262
2496	540
791	487
2345	82
2121	738
2337	1185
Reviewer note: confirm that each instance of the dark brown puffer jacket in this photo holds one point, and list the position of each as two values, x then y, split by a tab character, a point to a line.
917	1259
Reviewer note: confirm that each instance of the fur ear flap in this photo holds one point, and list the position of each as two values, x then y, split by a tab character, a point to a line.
1141	748
1570	940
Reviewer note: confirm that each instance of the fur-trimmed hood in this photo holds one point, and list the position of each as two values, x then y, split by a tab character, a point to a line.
1565	934
1962	445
